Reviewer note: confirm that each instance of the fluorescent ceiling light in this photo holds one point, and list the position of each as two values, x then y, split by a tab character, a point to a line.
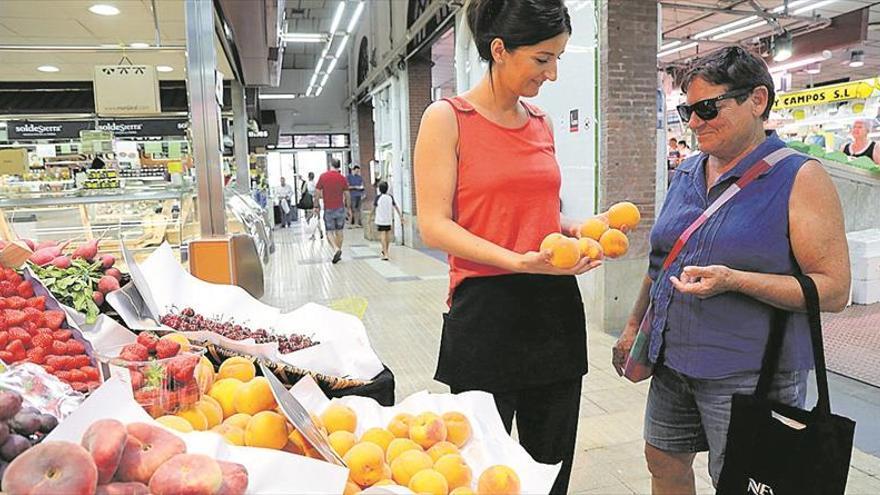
337	18
278	96
164	68
342	46
320	90
314	79
354	18
739	30
731	28
324	81
857	59
725	27
676	49
320	65
303	37
817	5
669	45
48	68
796	64
103	9
309	91
139	45
331	66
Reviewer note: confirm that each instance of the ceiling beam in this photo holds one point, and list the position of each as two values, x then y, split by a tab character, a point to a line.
742	13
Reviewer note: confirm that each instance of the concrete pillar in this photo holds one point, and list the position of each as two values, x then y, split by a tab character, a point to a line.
418	71
239	137
627	156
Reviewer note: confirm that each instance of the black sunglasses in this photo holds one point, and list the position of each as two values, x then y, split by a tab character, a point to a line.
708	109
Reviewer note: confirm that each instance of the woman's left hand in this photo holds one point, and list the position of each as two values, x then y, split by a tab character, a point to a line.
705	281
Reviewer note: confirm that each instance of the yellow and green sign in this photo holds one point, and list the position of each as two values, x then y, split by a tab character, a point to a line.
827	94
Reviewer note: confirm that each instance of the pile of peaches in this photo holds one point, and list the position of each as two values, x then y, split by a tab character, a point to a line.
603	236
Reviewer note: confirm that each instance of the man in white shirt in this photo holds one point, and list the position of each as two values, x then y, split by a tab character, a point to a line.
285	202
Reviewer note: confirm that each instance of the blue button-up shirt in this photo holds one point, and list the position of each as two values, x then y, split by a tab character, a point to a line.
725	334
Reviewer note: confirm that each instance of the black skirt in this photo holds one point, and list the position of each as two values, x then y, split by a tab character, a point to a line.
509	332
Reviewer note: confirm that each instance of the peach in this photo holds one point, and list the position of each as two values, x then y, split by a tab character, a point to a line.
223	392
105	441
427	429
399	446
455	470
366	463
442	448
564	252
614	243
379	436
593	228
254	396
235	479
266	429
339	417
130	488
428	481
498	480
409	463
341	441
462	490
205	375
175	423
399	425
237	367
52	467
624	216
212	410
195	417
240	420
180	339
232	434
385	482
190	474
458	428
351	488
147	448
590	249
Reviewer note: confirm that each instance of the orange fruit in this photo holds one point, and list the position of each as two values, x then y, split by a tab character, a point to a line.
593	228
427	429
498	480
266	429
239	420
455	470
458	428
614	243
408	464
254	396
430	482
232	434
590	248
237	367
462	490
342	441
175	423
399	425
337	417
195	417
212	410
399	446
442	448
624	216
564	252
223	391
366	463
379	436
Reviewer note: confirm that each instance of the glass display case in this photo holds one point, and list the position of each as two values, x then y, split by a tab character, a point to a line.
245	216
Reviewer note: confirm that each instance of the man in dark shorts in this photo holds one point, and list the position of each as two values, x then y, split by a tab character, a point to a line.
356	189
333	189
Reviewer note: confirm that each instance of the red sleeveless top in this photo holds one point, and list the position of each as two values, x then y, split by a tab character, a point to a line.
508	186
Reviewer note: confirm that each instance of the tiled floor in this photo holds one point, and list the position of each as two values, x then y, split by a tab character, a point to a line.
406	299
852	342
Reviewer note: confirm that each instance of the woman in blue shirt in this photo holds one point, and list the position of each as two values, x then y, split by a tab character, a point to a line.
713	306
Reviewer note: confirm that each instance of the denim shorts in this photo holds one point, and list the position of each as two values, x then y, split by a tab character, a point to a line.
686	415
334	219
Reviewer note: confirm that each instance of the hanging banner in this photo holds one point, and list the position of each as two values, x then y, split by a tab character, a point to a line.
827	94
126	90
68	129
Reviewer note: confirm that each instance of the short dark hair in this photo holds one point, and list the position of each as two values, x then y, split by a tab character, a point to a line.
335	163
311	175
356	167
383	187
683	142
517	22
734	68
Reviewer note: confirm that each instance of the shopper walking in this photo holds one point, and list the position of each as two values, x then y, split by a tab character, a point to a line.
861	145
713	306
356	188
310	187
384	217
285	202
333	189
487	184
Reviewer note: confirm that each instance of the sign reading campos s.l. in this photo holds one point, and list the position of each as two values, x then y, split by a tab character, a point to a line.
126	90
70	129
827	94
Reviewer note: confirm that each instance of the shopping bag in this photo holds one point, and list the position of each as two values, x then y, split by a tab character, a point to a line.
312	225
285	206
638	366
775	449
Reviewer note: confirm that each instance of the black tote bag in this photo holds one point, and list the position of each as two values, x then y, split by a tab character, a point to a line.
765	456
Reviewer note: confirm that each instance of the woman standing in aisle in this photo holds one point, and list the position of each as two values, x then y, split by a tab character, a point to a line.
861	145
714	305
487	185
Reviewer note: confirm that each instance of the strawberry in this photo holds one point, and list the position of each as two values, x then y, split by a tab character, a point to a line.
79	387
25	290
49	369
169	400
93	374
17	349
47	331
3	303
148	340
3	323
135	352
62	335
54	319
7	289
37	355
30	328
14	317
53	361
137	380
4	338
16	302
69	362
81	361
59	348
37	303
42	340
33	315
167	348
77	376
20	334
75	347
63	375
6	357
182	368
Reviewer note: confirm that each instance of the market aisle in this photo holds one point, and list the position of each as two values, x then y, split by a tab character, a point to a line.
405	301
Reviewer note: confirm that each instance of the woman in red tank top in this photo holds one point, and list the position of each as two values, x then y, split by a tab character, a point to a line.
487	185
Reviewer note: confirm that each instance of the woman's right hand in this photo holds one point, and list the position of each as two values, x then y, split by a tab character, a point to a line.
538	262
621	348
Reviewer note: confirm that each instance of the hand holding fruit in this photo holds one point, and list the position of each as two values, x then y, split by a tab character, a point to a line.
705	282
541	262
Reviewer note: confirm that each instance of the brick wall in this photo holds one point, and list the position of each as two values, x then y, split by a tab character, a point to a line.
418	72
628	100
366	148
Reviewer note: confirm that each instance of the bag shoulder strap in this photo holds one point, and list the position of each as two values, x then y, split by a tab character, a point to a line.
755	171
774	346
